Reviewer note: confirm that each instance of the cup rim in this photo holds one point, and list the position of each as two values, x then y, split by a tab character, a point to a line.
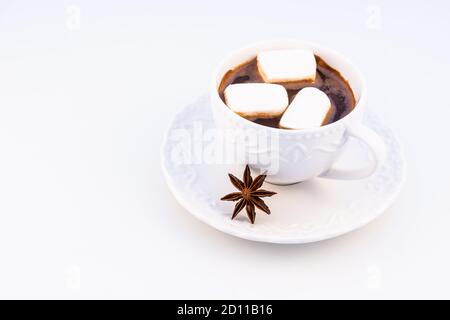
360	78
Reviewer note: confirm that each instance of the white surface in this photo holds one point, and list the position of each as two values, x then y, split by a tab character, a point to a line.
287	65
308	109
305	212
256	99
84	209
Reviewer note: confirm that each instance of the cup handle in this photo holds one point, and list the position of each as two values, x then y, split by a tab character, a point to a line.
376	146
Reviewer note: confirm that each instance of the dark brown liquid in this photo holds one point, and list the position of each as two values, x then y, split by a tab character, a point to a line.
327	79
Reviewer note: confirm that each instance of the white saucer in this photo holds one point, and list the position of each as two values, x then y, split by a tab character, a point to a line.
306	212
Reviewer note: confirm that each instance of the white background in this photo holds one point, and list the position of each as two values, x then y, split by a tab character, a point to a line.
84	102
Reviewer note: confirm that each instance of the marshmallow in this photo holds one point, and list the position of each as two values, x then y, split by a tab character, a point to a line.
311	107
287	65
256	100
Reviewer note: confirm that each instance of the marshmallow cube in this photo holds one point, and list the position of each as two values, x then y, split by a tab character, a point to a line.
311	107
287	65
256	100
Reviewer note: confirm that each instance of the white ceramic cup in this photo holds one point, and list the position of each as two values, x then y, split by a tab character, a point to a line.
307	153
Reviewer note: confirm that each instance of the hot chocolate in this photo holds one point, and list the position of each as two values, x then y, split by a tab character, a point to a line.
327	79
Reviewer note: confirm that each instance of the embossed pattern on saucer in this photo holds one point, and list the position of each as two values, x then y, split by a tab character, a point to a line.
311	211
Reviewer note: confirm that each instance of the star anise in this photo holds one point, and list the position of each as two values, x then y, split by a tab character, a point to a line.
249	195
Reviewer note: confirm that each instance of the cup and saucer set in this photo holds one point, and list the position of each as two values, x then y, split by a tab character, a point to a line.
328	180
